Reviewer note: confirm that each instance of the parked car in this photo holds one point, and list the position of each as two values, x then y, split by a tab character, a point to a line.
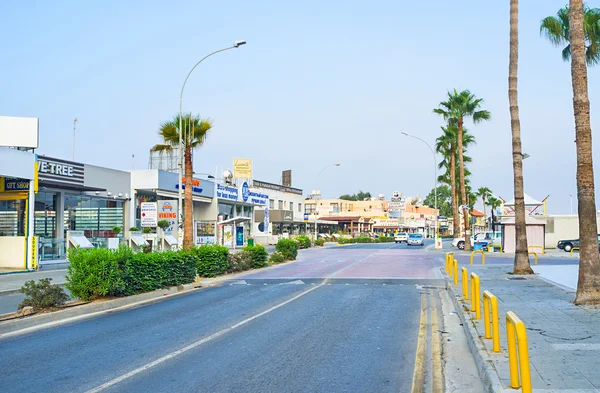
568	245
488	236
401	237
415	239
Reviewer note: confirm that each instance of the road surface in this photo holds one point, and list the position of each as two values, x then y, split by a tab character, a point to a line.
359	318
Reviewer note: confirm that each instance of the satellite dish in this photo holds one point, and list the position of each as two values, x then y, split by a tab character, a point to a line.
227	175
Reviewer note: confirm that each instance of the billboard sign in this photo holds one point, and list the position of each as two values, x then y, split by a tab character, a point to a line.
149	214
242	168
167	210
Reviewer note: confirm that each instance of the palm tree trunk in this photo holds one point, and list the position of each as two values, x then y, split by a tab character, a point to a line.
463	190
188	226
454	192
588	286
521	264
484	210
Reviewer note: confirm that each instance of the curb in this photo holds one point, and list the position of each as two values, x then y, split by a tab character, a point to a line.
89	310
487	372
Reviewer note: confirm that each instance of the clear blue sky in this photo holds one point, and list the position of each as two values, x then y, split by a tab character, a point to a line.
317	83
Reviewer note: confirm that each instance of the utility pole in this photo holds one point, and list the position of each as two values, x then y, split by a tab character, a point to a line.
74	128
132	161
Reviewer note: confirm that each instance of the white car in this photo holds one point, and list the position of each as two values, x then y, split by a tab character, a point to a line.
490	237
415	239
400	237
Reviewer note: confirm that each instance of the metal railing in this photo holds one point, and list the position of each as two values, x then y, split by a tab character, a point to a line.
449	259
455	271
473	254
492	325
571	252
475	296
540	247
535	257
518	353
465	283
495	245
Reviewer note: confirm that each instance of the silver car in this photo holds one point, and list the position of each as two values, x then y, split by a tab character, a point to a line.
415	239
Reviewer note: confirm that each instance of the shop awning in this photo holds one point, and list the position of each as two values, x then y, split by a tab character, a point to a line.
235	220
196	198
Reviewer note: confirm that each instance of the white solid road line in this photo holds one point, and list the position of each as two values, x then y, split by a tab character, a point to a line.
196	344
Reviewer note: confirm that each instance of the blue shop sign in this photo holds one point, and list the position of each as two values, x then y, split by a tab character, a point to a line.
245	192
227	192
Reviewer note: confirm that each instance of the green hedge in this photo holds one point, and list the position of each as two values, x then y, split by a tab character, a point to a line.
358	239
276	257
99	272
259	255
320	242
212	260
240	261
385	239
288	248
303	242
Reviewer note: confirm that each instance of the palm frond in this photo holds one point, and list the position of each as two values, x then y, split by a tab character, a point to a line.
552	28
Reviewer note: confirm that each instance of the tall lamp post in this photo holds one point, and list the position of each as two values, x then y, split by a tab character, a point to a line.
434	184
236	44
316	226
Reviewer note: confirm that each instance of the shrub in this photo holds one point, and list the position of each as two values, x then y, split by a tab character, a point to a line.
320	242
288	248
385	239
42	295
363	239
148	272
212	260
117	230
100	272
259	255
240	261
276	257
163	224
95	273
303	242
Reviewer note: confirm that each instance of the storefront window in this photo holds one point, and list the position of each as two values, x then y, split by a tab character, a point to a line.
95	216
225	211
12	218
45	215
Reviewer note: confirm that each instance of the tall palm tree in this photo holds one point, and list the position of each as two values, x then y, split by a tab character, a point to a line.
446	146
459	106
493	203
521	263
557	31
588	285
194	136
484	193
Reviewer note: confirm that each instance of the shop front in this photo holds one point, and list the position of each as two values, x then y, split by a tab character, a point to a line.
18	183
77	197
235	213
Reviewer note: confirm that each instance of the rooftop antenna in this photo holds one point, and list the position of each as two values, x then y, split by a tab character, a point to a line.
74	128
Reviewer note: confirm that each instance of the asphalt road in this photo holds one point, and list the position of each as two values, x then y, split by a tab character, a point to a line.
343	319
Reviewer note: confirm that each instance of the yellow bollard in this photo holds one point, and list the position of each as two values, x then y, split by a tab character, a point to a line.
571	252
540	247
465	283
449	259
518	348
495	245
535	256
455	269
482	257
475	296
490	308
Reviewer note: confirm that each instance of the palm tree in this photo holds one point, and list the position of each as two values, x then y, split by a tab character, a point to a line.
493	203
484	193
521	263
194	135
459	106
588	285
557	31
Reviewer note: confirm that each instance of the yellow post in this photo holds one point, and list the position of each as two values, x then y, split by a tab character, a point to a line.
495	245
455	264
475	296
465	283
473	254
449	259
571	252
535	257
540	247
518	355
490	308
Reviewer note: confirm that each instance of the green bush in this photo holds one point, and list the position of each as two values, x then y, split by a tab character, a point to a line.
98	272
385	239
149	272
358	239
303	242
320	242
259	255
276	257
240	261
42	295
288	248
212	260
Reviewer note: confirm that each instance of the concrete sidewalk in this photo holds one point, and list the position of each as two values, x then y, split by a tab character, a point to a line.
564	339
11	283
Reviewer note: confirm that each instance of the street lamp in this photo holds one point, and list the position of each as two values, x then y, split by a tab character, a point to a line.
321	171
434	184
236	44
